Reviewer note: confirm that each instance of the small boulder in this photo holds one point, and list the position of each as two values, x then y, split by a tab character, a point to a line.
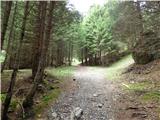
54	115
76	113
95	95
100	105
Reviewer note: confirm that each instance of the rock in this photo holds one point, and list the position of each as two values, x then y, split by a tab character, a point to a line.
54	115
76	113
131	107
95	95
100	105
139	114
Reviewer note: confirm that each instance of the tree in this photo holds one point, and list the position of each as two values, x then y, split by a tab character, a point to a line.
9	39
37	44
5	20
45	43
16	65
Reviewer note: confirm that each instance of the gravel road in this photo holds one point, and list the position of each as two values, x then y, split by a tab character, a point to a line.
94	95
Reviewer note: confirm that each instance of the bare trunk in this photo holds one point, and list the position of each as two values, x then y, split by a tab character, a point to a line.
9	40
16	66
82	56
69	53
5	20
39	35
86	56
28	102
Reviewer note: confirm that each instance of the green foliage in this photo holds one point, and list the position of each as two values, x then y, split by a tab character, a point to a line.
2	97
13	104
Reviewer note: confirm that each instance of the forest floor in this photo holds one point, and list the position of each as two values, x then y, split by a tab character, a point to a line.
122	91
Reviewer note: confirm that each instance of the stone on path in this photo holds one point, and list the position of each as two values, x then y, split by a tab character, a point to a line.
95	95
54	115
100	105
76	113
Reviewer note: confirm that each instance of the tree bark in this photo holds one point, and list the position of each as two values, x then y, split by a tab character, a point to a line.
28	102
16	66
5	20
39	34
69	53
86	56
9	39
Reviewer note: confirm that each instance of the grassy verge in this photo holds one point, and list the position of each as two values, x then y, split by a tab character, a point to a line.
55	77
61	72
114	70
148	90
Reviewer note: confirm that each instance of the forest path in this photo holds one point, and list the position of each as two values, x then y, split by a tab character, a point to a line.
94	95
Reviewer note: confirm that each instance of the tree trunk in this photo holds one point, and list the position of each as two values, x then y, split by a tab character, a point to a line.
140	55
82	56
5	20
69	53
28	102
16	66
37	44
9	39
86	56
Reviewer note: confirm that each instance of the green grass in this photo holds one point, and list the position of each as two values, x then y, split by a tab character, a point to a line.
51	96
150	96
61	71
114	70
122	63
6	75
137	86
13	103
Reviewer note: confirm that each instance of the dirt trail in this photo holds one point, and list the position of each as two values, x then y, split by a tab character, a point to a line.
94	95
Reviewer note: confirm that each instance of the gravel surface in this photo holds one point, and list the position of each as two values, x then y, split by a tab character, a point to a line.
93	96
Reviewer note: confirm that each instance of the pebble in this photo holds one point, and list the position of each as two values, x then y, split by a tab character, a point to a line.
95	95
54	114
76	113
100	105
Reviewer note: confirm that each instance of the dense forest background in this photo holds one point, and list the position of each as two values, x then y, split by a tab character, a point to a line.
37	35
